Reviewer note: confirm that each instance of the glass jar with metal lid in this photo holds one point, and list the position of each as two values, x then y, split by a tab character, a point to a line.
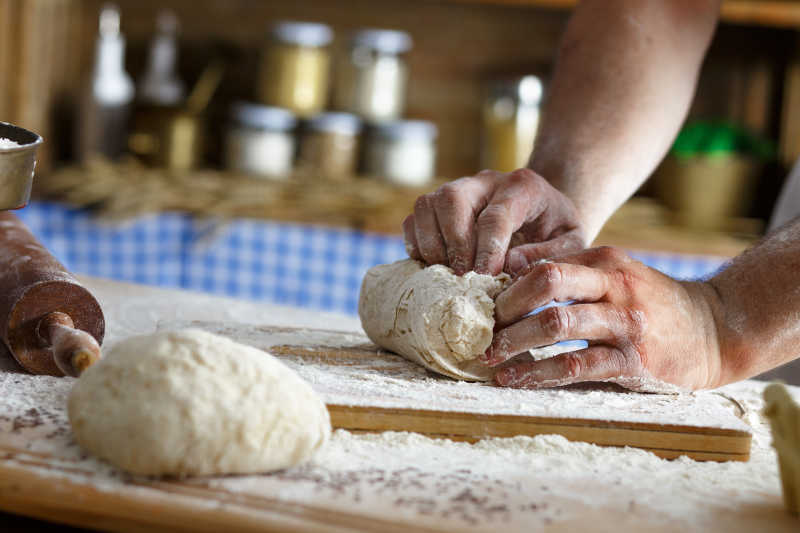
294	67
510	122
329	147
261	140
402	152
371	79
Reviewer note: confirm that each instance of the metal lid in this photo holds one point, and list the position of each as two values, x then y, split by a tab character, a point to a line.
387	41
407	129
263	117
303	33
344	123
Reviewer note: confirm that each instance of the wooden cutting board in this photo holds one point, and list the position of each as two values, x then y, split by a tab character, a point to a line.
43	473
367	389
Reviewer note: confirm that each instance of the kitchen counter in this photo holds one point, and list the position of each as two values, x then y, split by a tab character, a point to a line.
399	480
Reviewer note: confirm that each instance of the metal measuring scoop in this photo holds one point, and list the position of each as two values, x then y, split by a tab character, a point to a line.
16	166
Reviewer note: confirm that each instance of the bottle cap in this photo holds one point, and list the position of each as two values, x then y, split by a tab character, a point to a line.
386	41
263	117
303	33
407	129
344	123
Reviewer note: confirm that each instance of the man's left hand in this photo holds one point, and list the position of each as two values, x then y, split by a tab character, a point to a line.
640	325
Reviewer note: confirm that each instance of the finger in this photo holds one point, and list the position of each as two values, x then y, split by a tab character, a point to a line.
547	282
592	322
596	363
520	257
411	238
456	204
426	230
518	198
604	257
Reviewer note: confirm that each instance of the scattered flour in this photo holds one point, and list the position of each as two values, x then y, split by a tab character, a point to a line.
8	143
519	484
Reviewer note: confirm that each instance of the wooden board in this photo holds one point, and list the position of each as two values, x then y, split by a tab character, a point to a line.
340	365
30	486
44	474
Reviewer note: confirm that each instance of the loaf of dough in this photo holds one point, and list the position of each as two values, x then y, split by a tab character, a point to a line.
189	403
431	316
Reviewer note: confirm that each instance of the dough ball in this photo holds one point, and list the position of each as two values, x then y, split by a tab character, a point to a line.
431	316
191	403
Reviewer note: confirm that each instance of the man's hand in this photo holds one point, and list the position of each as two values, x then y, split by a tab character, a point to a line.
470	223
640	325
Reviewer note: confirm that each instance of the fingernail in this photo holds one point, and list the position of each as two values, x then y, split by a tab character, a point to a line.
458	265
484	357
516	262
505	377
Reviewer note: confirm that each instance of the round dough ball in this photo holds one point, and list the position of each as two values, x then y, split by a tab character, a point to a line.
191	403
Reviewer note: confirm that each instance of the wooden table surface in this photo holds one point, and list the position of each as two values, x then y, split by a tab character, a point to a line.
517	484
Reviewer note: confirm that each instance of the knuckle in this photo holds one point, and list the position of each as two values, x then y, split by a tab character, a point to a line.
525	179
636	323
610	254
549	276
449	191
522	176
573	365
456	260
626	280
620	363
494	216
555	322
423	202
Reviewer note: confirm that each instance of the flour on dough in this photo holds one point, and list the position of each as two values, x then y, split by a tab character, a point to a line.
192	403
431	316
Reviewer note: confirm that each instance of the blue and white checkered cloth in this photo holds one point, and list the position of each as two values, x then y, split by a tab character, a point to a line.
290	264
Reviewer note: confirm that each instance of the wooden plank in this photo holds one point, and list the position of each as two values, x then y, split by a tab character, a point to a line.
34	487
471	427
697	442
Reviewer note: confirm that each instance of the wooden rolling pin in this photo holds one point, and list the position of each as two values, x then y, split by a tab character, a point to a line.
50	323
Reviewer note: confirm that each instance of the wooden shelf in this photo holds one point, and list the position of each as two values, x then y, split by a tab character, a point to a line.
770	13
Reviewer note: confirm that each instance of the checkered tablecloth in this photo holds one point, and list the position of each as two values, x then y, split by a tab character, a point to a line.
292	264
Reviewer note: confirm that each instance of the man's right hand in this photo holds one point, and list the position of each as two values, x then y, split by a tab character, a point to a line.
491	222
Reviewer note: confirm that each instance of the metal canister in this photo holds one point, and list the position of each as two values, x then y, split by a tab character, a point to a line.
402	152
261	141
371	80
17	163
294	67
329	147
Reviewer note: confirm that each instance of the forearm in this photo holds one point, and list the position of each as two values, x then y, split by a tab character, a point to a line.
757	306
624	79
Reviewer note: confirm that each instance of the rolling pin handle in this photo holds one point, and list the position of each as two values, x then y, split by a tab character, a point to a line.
74	350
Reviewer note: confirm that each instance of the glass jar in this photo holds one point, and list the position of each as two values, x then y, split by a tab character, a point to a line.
510	122
371	80
329	147
294	67
402	152
261	141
